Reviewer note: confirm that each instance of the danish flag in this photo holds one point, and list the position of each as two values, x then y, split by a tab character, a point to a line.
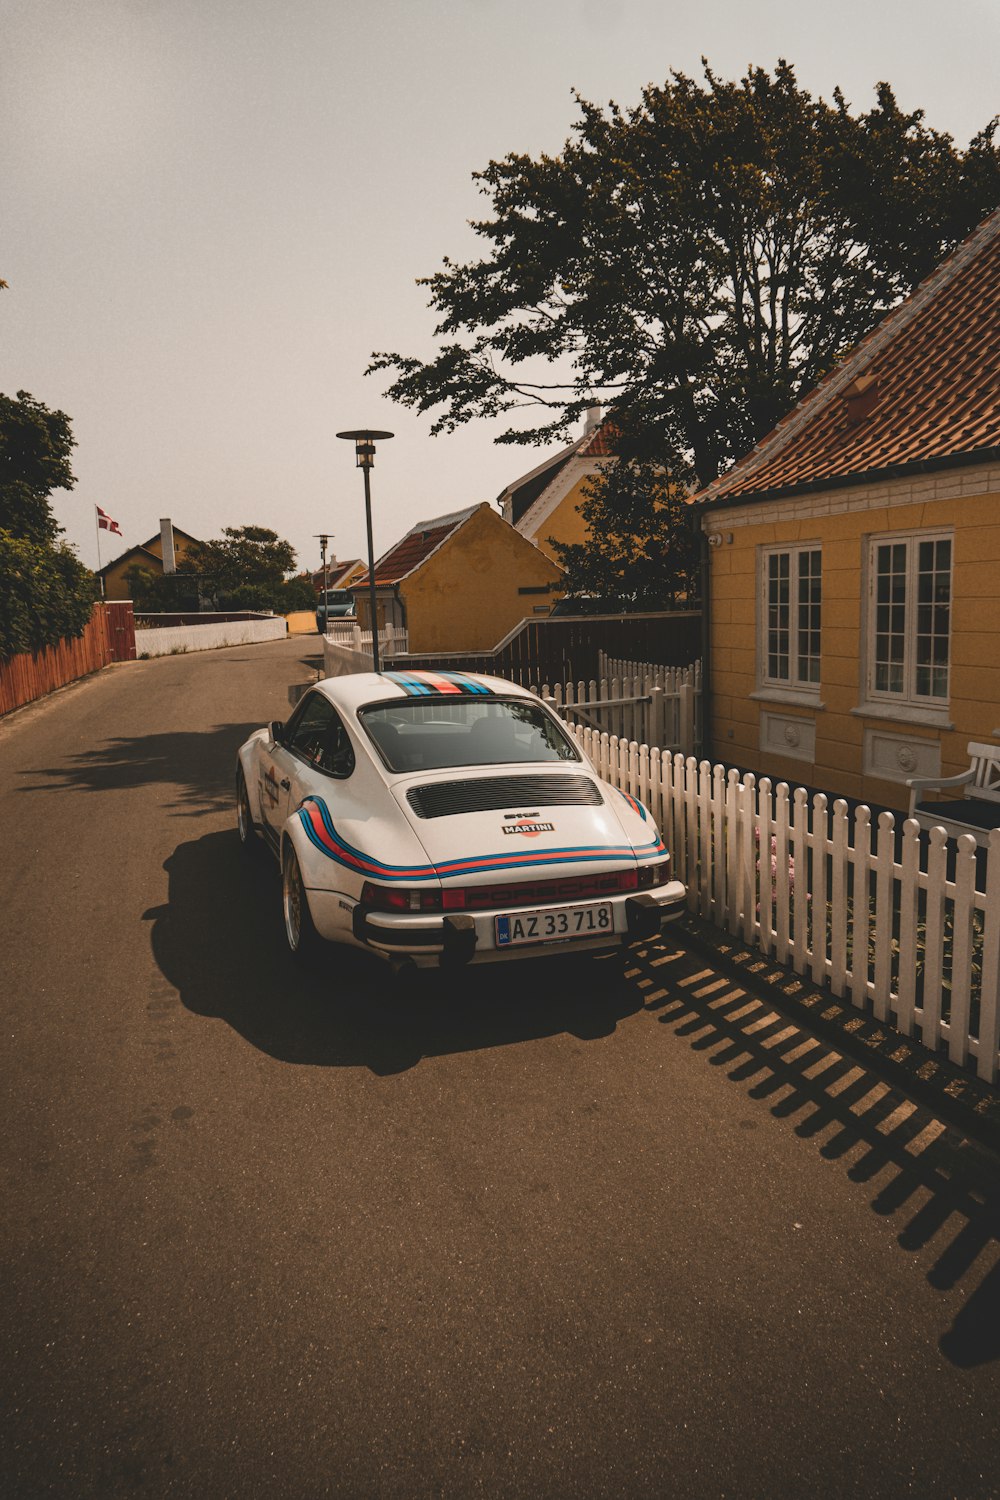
105	523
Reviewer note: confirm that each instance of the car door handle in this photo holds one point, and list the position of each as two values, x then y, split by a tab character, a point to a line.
286	785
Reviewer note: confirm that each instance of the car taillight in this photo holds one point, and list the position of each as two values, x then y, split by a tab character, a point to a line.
653	875
400	898
513	894
540	892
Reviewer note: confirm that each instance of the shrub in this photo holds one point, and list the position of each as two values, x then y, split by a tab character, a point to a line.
46	594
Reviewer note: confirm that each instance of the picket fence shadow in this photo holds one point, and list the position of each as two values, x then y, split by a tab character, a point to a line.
904	925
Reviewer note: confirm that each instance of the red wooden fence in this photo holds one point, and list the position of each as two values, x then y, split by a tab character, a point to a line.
108	636
121	629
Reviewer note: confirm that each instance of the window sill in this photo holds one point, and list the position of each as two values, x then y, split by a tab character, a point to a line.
797	697
904	713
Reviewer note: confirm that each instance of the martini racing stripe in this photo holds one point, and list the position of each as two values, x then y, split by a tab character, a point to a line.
420	684
633	804
314	815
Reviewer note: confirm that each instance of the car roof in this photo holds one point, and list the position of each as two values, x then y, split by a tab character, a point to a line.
359	688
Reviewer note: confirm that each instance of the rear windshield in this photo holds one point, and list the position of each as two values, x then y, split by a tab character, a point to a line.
415	735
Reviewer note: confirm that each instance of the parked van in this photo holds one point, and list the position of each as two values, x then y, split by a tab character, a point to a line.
334	604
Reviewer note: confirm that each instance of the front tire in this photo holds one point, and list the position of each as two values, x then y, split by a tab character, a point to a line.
300	933
249	839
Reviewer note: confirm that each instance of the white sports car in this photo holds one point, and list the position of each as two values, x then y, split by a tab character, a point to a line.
445	818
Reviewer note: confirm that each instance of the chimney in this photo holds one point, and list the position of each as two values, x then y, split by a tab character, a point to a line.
167	546
593	419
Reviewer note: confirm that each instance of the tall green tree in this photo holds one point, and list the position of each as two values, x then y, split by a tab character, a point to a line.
696	263
247	567
162	592
46	593
644	551
35	449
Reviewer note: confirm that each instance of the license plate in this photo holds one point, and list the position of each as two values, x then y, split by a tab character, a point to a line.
554	923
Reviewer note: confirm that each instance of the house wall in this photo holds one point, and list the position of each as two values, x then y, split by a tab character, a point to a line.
465	596
565	523
964	501
301	622
116	578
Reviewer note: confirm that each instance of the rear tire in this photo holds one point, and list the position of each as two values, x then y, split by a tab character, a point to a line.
304	942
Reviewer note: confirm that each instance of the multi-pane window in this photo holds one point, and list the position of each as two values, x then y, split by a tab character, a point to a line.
792	602
910	623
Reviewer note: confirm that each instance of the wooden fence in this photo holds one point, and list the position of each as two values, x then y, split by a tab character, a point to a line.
661	706
31	675
904	925
567	648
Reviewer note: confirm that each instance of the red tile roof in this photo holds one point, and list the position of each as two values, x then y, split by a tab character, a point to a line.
341	570
922	388
416	546
602	444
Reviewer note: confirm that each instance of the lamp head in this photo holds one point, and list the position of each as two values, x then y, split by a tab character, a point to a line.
364	440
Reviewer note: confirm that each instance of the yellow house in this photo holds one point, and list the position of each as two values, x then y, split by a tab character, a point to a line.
544	504
170	542
459	582
854	556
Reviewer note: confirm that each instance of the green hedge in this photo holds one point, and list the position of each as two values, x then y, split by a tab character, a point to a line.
46	594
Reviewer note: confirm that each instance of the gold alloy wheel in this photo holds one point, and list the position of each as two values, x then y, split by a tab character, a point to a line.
292	898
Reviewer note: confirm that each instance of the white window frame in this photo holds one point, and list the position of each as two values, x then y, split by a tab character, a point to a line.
795	687
907	702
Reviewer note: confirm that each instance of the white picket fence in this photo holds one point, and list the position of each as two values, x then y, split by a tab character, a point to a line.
391	638
654	706
617	666
898	925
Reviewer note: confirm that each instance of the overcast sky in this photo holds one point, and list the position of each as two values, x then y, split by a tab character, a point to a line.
214	210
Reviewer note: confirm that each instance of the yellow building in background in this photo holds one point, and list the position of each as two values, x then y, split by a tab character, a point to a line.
167	552
854	557
459	582
544	504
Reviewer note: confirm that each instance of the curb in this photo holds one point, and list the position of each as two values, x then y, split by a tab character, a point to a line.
930	1078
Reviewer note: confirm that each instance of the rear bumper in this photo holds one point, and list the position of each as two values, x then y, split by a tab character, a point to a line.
470	937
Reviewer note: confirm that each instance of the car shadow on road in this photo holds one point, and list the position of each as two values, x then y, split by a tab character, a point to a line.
936	1184
197	764
218	939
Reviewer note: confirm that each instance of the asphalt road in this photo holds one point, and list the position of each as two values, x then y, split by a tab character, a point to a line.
612	1229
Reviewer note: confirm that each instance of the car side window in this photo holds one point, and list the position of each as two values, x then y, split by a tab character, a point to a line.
317	736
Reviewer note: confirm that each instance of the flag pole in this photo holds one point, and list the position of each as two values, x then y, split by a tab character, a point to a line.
97	524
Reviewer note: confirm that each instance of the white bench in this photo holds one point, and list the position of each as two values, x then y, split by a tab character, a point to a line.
977	811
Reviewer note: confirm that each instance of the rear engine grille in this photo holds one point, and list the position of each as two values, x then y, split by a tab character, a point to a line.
441	799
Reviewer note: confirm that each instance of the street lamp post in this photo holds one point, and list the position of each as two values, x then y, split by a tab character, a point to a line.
323	539
364	448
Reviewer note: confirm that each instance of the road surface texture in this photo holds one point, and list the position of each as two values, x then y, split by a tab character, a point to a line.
603	1229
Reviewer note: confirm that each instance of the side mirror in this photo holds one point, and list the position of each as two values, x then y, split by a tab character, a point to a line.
276	730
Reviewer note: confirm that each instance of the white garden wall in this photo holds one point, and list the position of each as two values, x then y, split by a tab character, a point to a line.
170	639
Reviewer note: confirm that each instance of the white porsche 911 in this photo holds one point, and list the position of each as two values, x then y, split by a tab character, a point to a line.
446	818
